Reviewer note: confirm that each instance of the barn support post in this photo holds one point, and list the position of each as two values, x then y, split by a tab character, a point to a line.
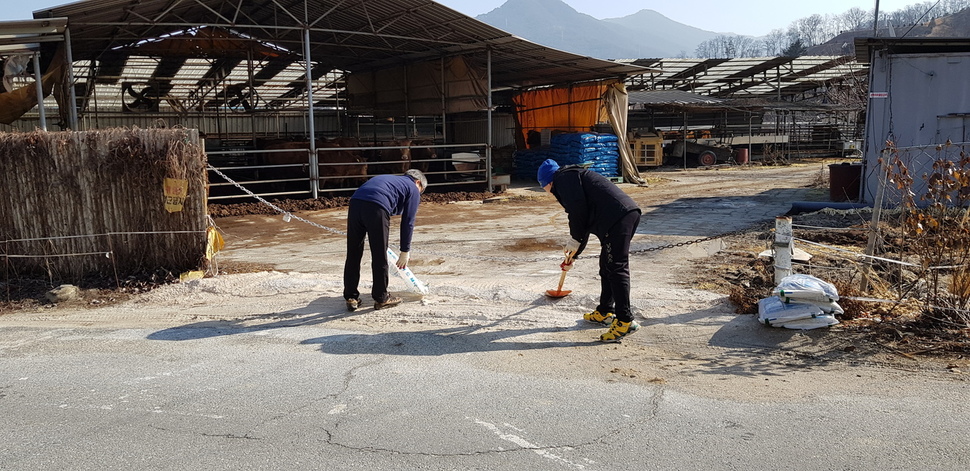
684	138
783	247
336	104
252	96
778	77
751	137
72	109
875	20
40	91
444	103
92	72
314	168
407	105
488	136
569	108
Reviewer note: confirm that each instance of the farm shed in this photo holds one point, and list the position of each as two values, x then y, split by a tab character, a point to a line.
240	71
919	110
779	78
799	106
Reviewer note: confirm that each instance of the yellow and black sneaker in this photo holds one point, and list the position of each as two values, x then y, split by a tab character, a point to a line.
618	330
352	304
596	318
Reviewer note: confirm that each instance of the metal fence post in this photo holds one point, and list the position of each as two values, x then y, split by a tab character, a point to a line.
783	247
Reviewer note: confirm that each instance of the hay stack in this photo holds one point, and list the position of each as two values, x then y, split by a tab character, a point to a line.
92	203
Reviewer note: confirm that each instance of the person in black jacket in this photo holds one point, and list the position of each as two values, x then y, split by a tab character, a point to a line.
369	215
595	205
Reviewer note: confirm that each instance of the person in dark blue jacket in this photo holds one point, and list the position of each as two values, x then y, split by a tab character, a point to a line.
369	215
594	205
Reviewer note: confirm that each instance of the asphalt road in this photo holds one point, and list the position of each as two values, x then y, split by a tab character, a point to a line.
310	397
266	371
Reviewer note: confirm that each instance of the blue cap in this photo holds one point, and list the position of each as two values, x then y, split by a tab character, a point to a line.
546	170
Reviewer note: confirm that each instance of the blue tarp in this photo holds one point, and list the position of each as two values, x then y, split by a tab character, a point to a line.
597	151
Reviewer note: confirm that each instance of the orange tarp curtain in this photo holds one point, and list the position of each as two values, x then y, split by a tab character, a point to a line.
574	108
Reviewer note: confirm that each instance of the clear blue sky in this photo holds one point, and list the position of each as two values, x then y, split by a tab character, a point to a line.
750	17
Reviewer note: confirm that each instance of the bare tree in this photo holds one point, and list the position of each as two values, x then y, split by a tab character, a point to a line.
773	42
853	90
855	18
810	29
949	7
817	29
705	49
727	47
910	14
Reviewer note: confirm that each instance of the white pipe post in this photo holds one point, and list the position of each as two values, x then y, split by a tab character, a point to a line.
314	167
72	96
40	91
783	247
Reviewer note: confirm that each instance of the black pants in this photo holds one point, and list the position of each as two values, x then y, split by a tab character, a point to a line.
615	267
370	220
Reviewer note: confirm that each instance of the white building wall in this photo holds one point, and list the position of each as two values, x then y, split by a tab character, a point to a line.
919	102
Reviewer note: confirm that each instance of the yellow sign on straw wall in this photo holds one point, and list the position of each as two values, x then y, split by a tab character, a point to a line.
175	192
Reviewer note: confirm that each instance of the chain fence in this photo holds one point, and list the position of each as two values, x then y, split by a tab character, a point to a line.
287	216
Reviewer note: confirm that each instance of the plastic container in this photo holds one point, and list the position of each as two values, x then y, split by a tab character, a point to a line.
465	161
414	285
741	155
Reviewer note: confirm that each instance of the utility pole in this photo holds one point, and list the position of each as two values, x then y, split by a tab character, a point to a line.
875	21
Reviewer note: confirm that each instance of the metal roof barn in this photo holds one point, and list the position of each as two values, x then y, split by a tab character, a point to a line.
779	78
203	53
253	67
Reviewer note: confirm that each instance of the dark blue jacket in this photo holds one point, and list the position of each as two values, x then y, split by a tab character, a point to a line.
592	202
397	194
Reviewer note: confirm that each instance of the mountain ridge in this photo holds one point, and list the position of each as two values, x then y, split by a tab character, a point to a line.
647	34
555	24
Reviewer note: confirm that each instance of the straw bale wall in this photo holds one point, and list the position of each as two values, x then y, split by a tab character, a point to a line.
92	203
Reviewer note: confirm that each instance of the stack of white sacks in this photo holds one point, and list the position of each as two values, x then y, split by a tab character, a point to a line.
800	302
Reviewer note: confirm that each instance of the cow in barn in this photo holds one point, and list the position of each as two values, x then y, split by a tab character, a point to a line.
394	161
399	160
341	168
338	168
422	153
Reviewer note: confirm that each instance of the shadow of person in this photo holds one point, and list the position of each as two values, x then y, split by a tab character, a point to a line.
316	312
438	342
488	337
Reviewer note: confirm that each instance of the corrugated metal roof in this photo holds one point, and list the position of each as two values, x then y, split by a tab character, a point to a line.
17	37
670	97
753	77
864	47
353	36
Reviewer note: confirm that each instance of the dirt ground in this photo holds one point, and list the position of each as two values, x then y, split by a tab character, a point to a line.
488	260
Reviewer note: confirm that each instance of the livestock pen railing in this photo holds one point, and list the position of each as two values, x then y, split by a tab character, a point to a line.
314	176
